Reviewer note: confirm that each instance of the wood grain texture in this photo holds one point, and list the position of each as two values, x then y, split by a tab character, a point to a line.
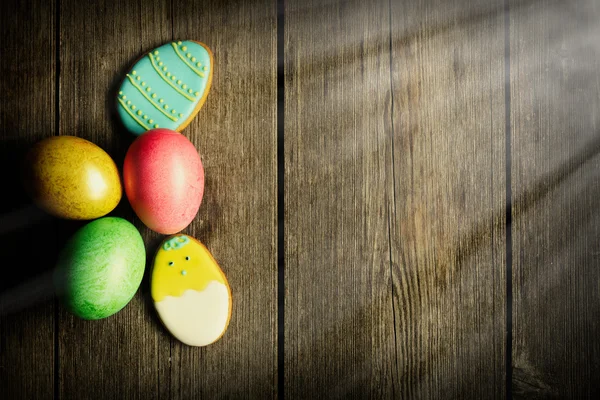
235	134
555	112
27	114
339	331
447	223
127	354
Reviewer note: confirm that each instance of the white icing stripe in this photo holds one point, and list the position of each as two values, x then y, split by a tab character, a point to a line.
196	318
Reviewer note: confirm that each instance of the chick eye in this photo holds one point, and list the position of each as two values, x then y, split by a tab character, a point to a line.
171	263
187	258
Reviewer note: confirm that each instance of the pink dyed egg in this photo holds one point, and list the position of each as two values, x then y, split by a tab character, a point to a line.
164	180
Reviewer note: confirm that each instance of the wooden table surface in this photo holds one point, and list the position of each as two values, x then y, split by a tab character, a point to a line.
404	196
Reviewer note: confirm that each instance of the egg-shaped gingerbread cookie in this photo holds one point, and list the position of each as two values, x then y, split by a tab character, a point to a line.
190	292
166	87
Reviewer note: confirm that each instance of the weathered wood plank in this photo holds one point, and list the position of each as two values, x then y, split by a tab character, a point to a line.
127	354
27	114
448	234
339	333
555	112
235	134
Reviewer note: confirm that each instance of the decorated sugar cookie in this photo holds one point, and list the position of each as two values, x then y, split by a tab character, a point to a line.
166	87
190	292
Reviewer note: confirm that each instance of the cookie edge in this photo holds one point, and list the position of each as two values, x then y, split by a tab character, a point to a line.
204	95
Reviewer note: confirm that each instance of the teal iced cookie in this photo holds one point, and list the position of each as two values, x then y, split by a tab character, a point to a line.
166	88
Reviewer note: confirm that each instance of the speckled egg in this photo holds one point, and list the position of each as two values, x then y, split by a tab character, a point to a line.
100	268
72	178
164	180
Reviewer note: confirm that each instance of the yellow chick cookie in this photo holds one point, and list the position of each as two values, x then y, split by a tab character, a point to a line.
190	292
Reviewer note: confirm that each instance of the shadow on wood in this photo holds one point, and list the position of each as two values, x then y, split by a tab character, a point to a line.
27	238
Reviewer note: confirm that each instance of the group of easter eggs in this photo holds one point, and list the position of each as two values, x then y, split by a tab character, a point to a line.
101	266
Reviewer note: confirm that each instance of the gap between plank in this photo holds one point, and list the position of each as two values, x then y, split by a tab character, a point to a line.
508	221
393	195
172	20
57	133
280	199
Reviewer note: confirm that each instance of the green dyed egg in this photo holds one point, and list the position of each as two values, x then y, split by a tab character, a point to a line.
100	268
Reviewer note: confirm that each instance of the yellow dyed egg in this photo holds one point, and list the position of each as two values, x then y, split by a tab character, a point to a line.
190	292
72	178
